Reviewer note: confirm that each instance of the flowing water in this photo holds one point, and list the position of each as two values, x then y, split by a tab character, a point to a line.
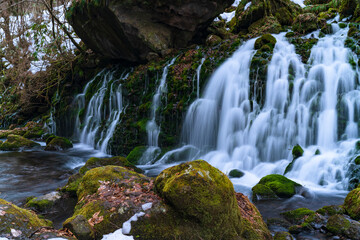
102	112
152	129
315	105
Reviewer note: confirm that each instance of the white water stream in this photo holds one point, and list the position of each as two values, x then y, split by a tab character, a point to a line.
103	111
231	131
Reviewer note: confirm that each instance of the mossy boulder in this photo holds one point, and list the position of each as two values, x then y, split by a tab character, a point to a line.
200	202
266	39
283	236
108	195
262	192
281	186
58	144
298	216
235	173
306	23
344	227
203	193
16	142
43	203
18	223
331	210
101	162
135	155
297	152
352	204
283	11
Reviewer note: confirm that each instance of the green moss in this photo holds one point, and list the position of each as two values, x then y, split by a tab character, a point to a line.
317	152
337	224
283	236
201	192
352	204
39	205
58	143
17	218
101	162
135	155
266	39
306	23
298	216
72	185
262	192
330	210
342	25
347	8
15	142
90	181
297	151
236	173
357	160
36	132
280	185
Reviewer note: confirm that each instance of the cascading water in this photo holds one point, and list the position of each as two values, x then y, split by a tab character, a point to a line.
102	112
152	129
198	72
232	131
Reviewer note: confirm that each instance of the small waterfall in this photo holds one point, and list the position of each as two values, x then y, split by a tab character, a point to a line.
302	104
198	72
153	130
96	120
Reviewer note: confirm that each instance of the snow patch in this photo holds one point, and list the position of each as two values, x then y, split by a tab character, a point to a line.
121	234
247	6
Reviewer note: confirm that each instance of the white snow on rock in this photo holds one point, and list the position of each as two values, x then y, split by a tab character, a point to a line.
122	233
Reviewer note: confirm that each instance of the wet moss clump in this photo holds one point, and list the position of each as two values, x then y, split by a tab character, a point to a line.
303	46
15	142
352	204
56	143
280	185
135	155
259	64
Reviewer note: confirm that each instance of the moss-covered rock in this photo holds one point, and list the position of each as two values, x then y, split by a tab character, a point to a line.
18	223
58	144
297	152
306	23
236	173
280	11
200	191
101	162
352	204
337	224
331	210
298	216
43	203
259	64
303	46
283	236
203	204
16	142
135	155
262	192
280	185
108	195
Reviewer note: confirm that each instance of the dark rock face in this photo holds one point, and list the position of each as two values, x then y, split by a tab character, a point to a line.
135	30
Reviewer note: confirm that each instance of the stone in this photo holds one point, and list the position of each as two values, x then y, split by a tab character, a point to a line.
131	30
56	143
16	142
80	227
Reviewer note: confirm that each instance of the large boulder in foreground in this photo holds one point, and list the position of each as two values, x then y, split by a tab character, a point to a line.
352	204
135	30
18	223
196	201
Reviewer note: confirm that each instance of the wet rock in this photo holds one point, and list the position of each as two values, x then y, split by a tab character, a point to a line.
306	23
80	227
347	8
135	155
331	210
115	161
283	236
340	225
279	185
352	204
131	30
282	12
297	152
235	173
43	203
213	40
56	143
18	223
16	142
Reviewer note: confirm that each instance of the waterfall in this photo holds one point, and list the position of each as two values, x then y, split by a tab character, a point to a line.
229	129
97	119
152	129
198	72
